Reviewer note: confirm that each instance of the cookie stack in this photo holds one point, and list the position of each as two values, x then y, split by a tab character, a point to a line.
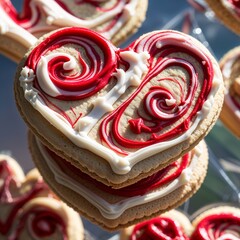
116	132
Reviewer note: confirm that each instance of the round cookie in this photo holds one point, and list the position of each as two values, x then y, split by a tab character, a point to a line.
125	119
220	222
230	67
228	12
30	210
171	225
117	20
111	208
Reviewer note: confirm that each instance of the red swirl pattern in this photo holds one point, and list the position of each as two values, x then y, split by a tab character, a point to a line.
12	201
96	67
218	226
22	213
41	223
159	228
161	114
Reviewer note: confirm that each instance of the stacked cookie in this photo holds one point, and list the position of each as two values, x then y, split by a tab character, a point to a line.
216	222
115	19
114	130
29	210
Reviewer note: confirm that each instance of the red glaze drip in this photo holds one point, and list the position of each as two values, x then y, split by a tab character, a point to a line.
162	116
89	81
44	223
14	202
157	180
215	226
159	228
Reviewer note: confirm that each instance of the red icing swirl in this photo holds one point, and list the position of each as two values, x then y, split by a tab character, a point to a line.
161	114
41	222
159	228
216	226
12	201
96	70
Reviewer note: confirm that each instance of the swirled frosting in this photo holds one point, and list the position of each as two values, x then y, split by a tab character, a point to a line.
160	228
218	226
132	104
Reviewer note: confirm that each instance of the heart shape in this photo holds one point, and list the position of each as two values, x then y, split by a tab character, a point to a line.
215	222
122	105
28	206
228	12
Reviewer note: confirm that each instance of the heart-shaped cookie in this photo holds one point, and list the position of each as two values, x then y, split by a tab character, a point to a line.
119	115
230	114
228	12
115	19
30	210
116	208
220	222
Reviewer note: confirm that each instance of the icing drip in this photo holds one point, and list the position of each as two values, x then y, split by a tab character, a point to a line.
218	226
164	117
161	228
114	210
157	180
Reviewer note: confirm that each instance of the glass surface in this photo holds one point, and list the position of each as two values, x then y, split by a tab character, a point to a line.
222	182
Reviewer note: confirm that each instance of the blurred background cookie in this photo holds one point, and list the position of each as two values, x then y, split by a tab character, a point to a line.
116	20
228	12
29	210
230	66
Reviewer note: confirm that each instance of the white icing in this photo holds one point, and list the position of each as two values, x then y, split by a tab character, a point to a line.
9	28
122	164
113	211
57	16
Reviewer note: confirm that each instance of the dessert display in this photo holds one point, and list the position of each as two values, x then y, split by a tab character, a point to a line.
117	134
230	67
116	20
228	12
29	210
